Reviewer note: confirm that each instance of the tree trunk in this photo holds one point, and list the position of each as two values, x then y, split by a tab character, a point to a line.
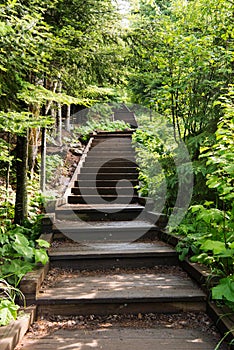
59	130
43	160
21	180
68	119
8	165
173	116
33	149
8	170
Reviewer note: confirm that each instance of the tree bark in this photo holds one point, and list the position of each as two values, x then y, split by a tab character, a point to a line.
68	119
43	160
59	128
32	149
21	202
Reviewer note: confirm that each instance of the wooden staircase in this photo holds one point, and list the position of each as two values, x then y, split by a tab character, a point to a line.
124	113
104	176
112	266
105	218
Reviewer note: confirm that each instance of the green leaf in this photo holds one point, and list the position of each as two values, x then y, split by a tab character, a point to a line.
41	256
17	268
195	208
8	311
21	246
225	289
42	243
227	253
215	246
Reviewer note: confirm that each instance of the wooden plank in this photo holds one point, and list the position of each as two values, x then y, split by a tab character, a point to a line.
32	281
88	213
143	287
115	308
106	263
12	334
109	251
124	339
224	321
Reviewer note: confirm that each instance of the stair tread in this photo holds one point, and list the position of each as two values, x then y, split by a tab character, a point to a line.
108	225
104	167
103	187
122	287
115	338
110	207
103	196
100	249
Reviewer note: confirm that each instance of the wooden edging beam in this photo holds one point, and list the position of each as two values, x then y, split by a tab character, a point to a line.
223	319
63	200
12	334
31	282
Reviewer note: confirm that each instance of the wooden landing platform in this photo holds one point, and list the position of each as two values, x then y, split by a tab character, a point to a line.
124	339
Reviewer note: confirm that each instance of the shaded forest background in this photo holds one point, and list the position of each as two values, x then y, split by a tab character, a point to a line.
173	59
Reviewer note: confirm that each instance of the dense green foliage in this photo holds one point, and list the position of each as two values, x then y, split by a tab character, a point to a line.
182	60
53	53
174	58
104	124
209	226
182	69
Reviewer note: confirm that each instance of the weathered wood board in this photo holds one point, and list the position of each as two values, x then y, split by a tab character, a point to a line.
125	339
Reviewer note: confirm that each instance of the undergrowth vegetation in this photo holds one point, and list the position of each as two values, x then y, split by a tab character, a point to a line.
99	125
209	227
207	230
21	250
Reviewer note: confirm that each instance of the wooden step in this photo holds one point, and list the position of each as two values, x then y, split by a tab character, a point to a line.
120	231
121	108
127	338
103	190
113	144
103	138
121	293
102	212
110	170
111	163
94	255
92	199
105	183
112	176
114	134
109	145
112	149
124	114
105	158
110	153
